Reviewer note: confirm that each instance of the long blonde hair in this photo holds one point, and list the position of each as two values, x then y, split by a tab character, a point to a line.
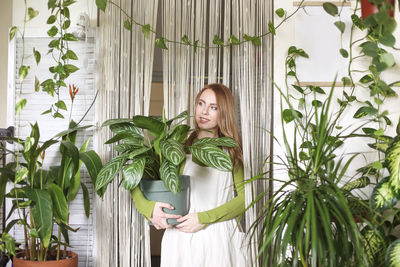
227	123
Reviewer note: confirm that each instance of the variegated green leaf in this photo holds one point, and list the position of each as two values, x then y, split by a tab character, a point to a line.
392	258
126	128
381	146
125	136
169	174
115	121
180	133
132	174
182	116
383	196
172	150
154	126
374	245
109	171
393	160
355	184
122	148
138	151
222	141
212	156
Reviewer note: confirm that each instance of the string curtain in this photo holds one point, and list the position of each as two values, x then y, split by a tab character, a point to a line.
125	75
244	68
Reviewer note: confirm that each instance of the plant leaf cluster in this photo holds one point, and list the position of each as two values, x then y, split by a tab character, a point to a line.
161	157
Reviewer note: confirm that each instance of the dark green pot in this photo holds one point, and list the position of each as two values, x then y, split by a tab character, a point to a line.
156	190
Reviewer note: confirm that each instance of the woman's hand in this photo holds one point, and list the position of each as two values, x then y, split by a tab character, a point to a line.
159	217
189	223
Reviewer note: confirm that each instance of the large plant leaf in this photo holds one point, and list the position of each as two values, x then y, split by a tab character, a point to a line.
126	136
383	196
221	141
180	133
355	184
154	126
132	174
138	151
169	174
86	199
92	162
374	245
172	150
126	127
115	121
212	156
126	148
71	130
60	206
183	115
393	160
42	213
109	171
392	258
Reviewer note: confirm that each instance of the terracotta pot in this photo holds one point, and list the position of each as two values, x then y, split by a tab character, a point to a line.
71	261
368	9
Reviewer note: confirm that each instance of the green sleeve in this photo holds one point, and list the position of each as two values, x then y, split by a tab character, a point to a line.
230	209
144	206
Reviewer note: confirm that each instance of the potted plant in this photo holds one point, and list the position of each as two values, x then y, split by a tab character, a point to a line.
159	159
41	197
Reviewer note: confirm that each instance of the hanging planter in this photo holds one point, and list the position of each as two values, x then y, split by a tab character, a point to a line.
368	8
156	190
70	261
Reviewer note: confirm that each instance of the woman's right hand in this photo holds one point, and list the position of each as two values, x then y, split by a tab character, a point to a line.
159	217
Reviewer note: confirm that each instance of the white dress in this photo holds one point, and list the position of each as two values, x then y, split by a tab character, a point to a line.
219	244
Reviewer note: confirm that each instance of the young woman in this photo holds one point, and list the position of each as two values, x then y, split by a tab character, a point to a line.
208	235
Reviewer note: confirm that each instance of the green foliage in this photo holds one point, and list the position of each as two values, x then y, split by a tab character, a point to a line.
160	158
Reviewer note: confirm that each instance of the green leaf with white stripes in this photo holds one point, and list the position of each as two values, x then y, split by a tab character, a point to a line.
357	183
126	128
392	258
212	156
172	150
125	137
154	126
109	171
123	148
221	141
383	196
393	160
132	174
115	121
138	151
169	174
182	116
180	132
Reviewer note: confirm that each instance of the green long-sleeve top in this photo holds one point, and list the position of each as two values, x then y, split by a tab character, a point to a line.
227	211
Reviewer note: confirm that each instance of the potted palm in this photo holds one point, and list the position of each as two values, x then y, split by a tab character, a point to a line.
41	197
159	160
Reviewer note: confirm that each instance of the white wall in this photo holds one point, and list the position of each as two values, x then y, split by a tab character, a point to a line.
314	31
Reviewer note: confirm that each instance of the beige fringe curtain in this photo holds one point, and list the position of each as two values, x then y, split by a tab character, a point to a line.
125	76
245	69
125	72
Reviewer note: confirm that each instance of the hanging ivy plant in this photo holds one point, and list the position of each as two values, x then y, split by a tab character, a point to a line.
59	49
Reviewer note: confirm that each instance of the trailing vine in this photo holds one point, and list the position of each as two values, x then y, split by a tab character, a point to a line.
62	54
162	41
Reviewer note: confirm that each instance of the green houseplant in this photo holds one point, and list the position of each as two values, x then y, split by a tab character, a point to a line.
160	158
41	197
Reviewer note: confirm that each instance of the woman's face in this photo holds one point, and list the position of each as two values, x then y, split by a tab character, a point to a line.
206	114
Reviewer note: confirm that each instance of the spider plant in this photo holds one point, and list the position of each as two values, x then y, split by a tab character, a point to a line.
307	220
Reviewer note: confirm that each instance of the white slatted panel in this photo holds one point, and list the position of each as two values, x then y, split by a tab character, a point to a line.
83	240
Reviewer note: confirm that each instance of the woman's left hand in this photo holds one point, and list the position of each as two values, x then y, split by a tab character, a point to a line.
189	223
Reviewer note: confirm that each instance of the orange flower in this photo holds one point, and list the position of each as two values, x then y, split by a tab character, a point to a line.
43	154
73	90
